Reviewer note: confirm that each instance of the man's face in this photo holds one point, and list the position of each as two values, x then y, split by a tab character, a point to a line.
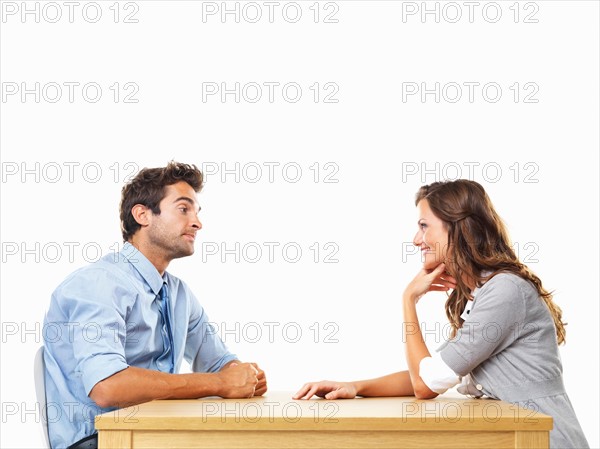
173	231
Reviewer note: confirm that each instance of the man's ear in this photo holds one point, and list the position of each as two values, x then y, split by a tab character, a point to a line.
141	214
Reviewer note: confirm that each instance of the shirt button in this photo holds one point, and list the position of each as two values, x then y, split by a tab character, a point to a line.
479	387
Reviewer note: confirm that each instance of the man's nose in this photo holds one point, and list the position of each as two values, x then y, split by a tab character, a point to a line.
197	223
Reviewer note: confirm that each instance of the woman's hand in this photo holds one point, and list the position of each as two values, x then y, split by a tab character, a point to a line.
436	280
327	389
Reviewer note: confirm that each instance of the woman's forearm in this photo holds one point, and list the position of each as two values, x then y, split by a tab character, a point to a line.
396	384
415	347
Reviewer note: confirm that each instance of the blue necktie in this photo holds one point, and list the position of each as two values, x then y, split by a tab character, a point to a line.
167	357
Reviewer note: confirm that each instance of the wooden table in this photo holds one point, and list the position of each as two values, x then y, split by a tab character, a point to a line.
277	421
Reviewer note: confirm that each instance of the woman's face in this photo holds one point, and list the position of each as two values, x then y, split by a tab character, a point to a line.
432	237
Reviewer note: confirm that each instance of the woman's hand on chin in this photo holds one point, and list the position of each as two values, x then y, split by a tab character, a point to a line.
436	280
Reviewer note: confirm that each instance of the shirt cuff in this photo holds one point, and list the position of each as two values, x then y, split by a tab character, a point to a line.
437	375
99	368
224	361
468	388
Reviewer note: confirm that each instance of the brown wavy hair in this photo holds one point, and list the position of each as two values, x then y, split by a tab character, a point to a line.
148	188
478	242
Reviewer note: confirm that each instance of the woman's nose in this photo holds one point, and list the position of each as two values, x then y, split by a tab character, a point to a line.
418	239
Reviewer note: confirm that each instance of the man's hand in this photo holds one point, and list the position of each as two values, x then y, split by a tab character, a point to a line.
238	380
261	386
327	389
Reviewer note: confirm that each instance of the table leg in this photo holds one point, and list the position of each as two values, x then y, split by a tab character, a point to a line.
114	439
532	440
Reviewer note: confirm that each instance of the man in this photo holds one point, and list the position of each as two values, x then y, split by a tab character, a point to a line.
118	330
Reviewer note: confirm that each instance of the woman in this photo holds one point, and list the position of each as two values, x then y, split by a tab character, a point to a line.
505	326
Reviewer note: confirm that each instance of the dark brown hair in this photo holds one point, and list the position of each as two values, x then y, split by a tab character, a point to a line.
148	189
478	242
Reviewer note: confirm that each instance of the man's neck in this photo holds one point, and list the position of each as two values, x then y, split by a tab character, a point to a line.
154	256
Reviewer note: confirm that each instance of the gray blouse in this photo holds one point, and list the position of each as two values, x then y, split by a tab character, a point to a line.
508	345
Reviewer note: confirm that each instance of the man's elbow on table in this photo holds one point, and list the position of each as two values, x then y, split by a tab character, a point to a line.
102	395
119	390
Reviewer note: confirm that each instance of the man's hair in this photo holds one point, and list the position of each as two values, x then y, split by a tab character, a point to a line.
148	189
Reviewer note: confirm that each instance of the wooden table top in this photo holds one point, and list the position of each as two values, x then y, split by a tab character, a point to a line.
278	411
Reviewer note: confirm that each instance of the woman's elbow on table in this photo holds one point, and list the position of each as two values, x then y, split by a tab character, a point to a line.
422	391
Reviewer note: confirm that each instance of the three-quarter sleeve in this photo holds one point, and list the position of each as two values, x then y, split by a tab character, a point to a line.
491	326
437	375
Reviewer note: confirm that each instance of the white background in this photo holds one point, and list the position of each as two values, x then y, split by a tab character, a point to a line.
372	137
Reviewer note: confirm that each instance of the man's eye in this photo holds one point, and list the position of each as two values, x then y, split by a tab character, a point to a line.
183	209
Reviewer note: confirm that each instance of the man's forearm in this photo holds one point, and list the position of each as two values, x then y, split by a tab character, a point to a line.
136	385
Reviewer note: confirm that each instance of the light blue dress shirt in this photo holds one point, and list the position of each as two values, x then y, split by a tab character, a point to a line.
105	317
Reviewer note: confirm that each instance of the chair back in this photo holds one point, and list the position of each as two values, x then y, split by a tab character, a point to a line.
39	370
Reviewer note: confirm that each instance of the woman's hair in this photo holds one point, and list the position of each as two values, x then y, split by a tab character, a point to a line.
478	242
148	188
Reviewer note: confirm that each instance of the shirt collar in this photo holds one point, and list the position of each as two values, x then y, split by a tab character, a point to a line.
484	273
144	267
